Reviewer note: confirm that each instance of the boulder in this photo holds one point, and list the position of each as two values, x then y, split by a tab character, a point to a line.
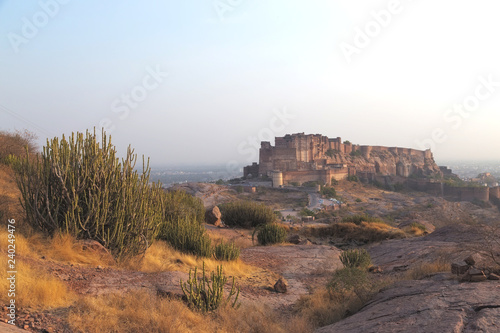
294	239
281	285
213	216
493	276
375	269
459	268
472	259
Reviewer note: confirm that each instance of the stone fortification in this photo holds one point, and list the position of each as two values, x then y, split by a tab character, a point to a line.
314	157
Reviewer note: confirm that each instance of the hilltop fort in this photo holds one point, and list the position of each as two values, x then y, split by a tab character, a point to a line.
299	158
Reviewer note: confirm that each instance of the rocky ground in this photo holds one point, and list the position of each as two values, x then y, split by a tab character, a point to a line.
437	303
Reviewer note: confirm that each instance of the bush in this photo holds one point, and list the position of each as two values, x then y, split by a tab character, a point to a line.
207	295
328	192
80	187
310	184
358	218
355	153
179	205
271	234
246	214
353	178
15	144
306	212
226	251
350	281
187	235
355	258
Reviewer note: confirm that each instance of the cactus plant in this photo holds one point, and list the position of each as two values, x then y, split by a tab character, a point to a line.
207	295
80	187
355	258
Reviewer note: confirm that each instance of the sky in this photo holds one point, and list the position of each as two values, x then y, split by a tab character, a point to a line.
203	82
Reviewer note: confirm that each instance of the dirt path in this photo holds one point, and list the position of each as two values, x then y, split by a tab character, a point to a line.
303	266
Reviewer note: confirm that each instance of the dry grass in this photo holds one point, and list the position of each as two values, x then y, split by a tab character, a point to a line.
426	269
364	232
34	289
161	257
144	312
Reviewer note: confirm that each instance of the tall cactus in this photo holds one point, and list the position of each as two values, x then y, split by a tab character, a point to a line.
205	295
80	187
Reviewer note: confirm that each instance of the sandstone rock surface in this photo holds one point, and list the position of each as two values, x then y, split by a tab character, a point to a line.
213	216
438	305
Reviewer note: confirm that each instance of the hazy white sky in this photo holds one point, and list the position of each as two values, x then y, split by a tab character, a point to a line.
204	81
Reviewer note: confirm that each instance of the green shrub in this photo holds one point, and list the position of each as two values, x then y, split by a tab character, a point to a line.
353	178
226	251
14	145
310	184
271	234
186	235
355	153
358	218
351	281
246	214
306	212
355	258
328	192
179	205
294	184
359	200
79	186
207	295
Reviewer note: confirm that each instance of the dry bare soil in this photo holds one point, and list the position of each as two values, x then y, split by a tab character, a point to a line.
436	302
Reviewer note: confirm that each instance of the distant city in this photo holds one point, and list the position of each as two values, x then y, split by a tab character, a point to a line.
210	173
190	173
470	169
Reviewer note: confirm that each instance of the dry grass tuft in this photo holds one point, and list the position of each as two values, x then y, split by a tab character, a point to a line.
143	312
34	289
364	232
427	269
135	312
161	257
66	248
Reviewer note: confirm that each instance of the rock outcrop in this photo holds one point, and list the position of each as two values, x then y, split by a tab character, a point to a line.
438	305
213	216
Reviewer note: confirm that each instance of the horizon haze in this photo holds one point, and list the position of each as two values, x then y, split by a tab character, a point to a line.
203	82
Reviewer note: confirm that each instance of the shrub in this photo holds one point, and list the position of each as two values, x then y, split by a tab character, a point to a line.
179	205
351	281
358	218
355	153
15	145
310	184
246	214
271	234
355	258
359	200
226	251
186	235
353	178
78	186
306	212
207	295
329	192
